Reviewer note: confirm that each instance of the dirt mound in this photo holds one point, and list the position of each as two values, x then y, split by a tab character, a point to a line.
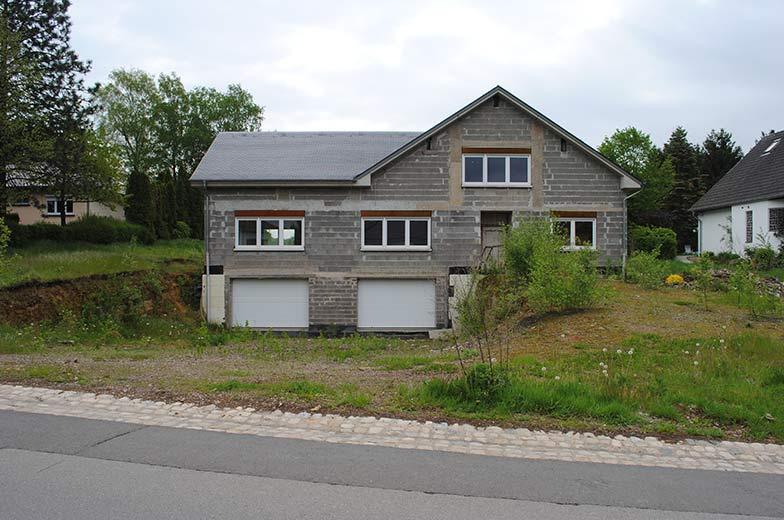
162	293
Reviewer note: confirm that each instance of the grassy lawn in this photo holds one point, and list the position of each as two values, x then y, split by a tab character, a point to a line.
46	261
682	370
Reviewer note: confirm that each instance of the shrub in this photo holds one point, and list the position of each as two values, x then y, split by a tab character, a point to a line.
725	257
181	230
90	228
645	269
762	258
21	235
5	239
650	239
520	244
563	280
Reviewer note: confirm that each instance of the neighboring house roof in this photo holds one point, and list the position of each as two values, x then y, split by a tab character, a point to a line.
275	157
758	176
295	156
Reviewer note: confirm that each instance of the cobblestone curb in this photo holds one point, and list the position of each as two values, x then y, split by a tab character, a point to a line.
397	433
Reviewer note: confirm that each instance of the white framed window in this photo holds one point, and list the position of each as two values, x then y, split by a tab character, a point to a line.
749	227
493	170
395	234
580	233
269	234
53	206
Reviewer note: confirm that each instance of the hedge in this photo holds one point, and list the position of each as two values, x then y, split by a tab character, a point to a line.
92	229
650	239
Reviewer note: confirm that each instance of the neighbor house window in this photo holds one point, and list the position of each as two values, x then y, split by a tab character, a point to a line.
496	170
271	233
776	220
53	206
579	233
749	227
395	233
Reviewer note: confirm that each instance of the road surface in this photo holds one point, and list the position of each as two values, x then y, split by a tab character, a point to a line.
70	468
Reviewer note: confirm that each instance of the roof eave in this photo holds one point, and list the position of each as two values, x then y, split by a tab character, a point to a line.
310	183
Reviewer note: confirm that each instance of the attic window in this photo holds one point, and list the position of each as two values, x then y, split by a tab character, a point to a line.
563	144
772	146
496	101
429	143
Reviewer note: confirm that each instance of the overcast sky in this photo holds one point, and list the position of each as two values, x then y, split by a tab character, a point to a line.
590	66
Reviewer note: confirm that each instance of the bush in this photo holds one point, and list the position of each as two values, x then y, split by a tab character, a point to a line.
563	280
726	257
645	268
762	258
5	238
650	239
90	228
520	244
181	230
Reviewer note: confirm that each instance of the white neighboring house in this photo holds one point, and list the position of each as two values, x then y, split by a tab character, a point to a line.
745	208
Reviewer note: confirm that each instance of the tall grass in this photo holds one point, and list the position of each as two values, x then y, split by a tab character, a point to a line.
690	385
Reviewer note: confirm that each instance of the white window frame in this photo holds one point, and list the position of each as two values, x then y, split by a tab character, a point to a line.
258	246
383	246
57	207
572	246
507	183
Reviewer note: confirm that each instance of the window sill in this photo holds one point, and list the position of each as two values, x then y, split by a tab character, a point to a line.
415	249
578	248
496	185
269	248
57	214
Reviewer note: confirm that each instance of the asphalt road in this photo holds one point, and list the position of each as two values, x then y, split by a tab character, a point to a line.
61	467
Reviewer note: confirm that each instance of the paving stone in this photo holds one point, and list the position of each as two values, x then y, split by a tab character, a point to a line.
385	431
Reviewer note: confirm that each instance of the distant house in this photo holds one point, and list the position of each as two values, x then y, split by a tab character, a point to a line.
746	207
36	204
370	230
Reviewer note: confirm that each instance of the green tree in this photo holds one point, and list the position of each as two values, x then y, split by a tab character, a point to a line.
636	153
687	187
126	116
33	39
719	153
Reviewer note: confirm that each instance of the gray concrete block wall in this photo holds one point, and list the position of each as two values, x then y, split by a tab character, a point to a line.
333	302
424	179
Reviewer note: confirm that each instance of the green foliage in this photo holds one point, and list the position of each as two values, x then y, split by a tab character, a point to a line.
650	239
636	153
140	207
5	240
563	281
687	187
718	155
762	258
645	268
90	228
181	230
703	277
520	245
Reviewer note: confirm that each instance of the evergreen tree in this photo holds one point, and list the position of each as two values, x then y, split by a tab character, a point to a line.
719	153
139	207
33	39
687	187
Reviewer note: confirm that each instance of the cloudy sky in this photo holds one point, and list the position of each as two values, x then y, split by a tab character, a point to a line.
344	65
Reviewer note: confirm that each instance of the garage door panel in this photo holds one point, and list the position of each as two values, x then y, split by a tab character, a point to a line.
396	304
275	304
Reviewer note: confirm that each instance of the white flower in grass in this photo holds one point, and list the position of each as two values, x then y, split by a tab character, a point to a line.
721	341
544	369
605	373
686	352
619	351
557	378
631	351
696	363
604	349
697	345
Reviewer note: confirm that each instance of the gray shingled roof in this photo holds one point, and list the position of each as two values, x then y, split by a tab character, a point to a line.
296	156
758	176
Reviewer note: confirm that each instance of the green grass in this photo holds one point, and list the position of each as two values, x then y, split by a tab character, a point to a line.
695	387
345	394
47	261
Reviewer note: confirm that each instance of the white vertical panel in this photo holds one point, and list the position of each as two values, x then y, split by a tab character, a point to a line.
396	304
273	304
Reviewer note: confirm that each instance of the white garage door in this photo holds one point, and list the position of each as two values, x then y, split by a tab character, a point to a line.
270	304
397	304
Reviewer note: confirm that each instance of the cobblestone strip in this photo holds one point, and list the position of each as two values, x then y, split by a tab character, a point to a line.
397	433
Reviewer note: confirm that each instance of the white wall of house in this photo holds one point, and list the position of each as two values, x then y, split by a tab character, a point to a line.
713	233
